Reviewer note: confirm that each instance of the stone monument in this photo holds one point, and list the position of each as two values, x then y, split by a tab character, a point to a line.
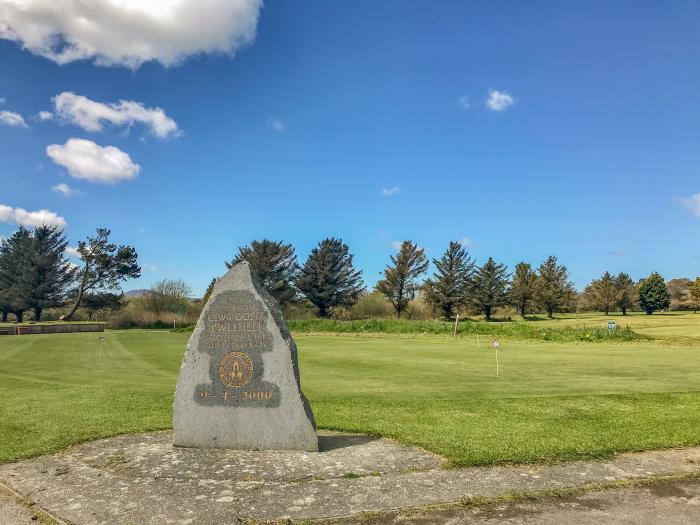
239	382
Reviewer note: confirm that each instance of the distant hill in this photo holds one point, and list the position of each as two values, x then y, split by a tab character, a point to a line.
136	293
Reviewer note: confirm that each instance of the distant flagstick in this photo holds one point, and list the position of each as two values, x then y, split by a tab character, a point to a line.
496	344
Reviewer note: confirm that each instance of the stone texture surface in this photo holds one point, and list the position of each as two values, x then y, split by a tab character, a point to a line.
670	503
144	479
13	513
239	383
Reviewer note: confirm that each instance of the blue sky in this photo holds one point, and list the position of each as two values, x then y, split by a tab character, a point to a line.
348	119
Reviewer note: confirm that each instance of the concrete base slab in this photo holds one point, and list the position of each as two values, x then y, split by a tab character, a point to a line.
144	479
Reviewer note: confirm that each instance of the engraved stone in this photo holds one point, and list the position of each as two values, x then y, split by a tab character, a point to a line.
239	382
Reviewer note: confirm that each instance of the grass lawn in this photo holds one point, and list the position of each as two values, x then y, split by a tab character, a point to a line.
552	402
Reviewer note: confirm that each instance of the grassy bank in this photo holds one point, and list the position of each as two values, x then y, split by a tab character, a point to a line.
552	401
513	330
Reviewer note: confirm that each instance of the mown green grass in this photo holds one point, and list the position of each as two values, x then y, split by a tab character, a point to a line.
552	401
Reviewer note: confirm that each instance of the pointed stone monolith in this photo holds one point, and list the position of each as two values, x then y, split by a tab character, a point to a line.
239	382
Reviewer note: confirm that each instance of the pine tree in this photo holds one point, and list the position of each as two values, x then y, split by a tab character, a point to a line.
105	265
602	294
490	287
51	273
449	289
399	282
328	279
627	295
209	291
16	271
653	294
523	288
554	291
276	266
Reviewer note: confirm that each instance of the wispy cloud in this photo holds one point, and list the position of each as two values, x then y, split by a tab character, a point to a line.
396	245
276	124
151	268
10	118
89	161
64	190
43	116
390	192
72	252
22	217
617	253
691	203
90	114
499	100
463	102
466	242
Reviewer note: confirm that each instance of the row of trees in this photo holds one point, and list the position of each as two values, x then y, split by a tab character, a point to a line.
329	280
458	283
35	272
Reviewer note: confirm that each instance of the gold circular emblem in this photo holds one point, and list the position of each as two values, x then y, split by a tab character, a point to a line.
235	369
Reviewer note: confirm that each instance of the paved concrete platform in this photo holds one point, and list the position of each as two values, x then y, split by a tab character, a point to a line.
144	479
670	503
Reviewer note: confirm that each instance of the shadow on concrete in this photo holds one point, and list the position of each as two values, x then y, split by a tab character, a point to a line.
336	441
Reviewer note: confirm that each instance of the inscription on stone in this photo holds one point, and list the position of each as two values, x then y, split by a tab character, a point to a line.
235	337
239	382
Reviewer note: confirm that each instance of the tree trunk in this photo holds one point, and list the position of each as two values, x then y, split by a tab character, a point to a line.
75	307
322	311
37	313
19	314
521	310
5	313
624	310
487	313
550	313
607	312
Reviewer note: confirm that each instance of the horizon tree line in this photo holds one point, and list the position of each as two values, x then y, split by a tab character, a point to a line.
328	280
35	274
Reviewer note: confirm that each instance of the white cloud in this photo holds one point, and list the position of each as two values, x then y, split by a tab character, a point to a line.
72	252
388	192
692	203
64	190
463	102
90	115
89	161
10	118
43	116
499	100
129	32
466	242
396	245
23	217
276	124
